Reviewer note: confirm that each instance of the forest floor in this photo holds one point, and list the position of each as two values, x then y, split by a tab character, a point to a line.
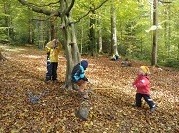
111	108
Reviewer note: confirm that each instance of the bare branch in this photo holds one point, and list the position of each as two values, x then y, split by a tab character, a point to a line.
67	11
53	3
167	2
42	5
70	7
91	10
40	10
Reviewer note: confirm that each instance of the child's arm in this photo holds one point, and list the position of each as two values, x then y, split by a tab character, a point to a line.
48	47
134	83
84	78
142	83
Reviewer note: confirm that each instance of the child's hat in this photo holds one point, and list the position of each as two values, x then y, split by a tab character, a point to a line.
145	69
84	63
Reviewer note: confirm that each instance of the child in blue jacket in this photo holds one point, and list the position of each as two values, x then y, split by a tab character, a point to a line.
78	77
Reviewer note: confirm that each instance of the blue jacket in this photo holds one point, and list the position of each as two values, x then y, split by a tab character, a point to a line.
78	73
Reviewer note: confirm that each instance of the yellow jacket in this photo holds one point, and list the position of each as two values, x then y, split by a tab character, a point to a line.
54	50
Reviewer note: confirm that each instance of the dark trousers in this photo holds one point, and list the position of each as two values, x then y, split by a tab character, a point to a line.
51	71
146	97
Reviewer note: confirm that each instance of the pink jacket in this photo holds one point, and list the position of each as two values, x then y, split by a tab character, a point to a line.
143	85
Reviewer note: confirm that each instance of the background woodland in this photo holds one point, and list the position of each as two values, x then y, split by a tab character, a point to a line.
132	20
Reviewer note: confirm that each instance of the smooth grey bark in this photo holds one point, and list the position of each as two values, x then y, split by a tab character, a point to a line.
114	50
92	36
100	36
155	34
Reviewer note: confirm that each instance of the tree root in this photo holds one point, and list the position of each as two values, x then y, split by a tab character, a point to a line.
2	58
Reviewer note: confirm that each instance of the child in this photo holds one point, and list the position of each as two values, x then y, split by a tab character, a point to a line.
115	57
52	48
79	78
143	88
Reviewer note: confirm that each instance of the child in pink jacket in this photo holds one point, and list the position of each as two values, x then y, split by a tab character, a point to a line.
142	84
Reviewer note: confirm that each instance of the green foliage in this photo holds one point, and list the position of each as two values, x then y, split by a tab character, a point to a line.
171	62
133	18
4	15
3	26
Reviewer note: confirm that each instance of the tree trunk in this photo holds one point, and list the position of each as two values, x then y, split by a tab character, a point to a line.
178	52
92	37
53	33
81	46
100	37
30	40
7	6
169	32
41	32
113	30
71	48
2	58
155	34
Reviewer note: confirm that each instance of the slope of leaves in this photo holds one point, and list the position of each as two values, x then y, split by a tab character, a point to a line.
111	107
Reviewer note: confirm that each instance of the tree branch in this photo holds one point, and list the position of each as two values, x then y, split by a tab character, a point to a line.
67	11
167	2
52	3
40	10
70	7
91	10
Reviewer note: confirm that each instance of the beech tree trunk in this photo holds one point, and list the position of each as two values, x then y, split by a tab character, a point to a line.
30	39
2	58
113	30
6	7
71	48
92	37
100	45
155	34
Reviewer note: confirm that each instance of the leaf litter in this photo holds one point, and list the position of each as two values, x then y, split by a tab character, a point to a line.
111	108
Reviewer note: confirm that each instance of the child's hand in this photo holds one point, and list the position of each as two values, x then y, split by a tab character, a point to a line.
89	84
134	86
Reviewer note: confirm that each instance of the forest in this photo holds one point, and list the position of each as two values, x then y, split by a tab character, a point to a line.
117	27
146	32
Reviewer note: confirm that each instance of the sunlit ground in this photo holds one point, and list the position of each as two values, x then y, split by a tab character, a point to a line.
111	106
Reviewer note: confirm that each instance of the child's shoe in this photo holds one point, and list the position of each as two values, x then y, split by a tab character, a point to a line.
86	98
153	108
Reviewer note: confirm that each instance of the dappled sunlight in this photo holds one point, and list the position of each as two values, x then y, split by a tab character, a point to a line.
30	56
166	95
11	48
42	69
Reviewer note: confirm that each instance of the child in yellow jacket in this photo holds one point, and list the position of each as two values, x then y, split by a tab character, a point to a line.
52	48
